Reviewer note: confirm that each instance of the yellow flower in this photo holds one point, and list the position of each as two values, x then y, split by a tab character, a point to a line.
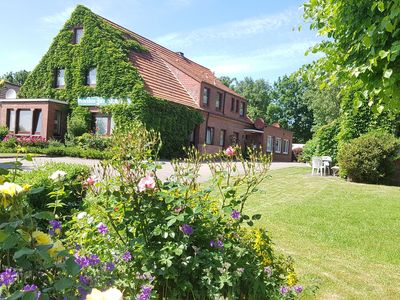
9	190
291	279
41	238
110	294
57	247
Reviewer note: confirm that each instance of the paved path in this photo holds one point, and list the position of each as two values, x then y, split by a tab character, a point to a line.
163	173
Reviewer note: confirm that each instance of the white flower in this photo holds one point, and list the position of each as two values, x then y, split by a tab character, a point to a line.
81	215
112	294
58	175
90	220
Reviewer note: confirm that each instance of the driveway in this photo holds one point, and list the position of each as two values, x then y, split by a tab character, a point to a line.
163	173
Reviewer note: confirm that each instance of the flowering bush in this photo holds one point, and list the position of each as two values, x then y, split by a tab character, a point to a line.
37	141
141	238
175	239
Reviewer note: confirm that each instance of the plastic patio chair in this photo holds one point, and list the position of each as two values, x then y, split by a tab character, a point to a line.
317	165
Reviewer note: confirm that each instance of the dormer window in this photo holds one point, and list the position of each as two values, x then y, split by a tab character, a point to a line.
91	77
78	33
59	81
206	96
218	101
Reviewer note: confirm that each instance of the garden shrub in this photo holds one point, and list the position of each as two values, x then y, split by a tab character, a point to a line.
309	150
92	141
3	132
370	157
72	183
78	122
324	143
25	141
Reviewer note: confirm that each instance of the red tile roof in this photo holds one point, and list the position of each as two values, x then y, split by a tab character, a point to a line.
158	78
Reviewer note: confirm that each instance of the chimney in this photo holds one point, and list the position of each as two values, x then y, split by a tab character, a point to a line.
181	54
276	124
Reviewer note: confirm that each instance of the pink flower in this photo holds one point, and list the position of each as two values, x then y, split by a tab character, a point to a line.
146	183
91	180
230	151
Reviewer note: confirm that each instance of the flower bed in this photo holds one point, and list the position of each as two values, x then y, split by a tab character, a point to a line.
140	238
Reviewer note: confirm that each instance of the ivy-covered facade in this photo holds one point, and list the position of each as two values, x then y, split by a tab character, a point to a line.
93	58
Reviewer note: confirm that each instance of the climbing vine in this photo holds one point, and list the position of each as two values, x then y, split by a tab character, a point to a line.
107	49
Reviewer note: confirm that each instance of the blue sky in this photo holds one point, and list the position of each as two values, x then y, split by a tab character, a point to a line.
233	38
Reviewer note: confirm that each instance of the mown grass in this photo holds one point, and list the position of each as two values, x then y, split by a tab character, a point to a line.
344	237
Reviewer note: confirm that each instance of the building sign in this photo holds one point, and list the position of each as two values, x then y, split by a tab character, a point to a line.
99	101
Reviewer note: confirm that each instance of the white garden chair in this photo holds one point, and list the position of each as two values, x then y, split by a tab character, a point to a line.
317	165
326	163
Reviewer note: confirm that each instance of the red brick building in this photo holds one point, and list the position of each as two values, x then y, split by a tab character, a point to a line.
171	76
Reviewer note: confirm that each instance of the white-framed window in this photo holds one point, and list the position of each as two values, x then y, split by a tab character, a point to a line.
278	145
78	33
269	143
218	101
209	135
222	137
285	146
242	109
60	78
24	121
11	120
206	96
91	76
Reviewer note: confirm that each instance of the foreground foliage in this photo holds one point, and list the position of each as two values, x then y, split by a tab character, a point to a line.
148	238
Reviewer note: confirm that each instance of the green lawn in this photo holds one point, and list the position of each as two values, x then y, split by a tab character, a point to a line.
344	237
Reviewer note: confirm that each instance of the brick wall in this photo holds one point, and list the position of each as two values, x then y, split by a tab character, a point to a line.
284	134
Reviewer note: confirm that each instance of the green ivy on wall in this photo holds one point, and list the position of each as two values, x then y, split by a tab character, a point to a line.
106	48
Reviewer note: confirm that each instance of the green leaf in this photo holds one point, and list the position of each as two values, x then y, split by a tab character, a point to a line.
171	222
389	26
10	242
29	296
63	284
256	217
381	6
44	215
35	191
16	295
22	252
380	108
246	217
388	73
250	223
72	267
383	54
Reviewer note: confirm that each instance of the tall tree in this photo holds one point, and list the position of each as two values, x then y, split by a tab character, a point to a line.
292	108
324	104
18	77
228	81
362	46
258	95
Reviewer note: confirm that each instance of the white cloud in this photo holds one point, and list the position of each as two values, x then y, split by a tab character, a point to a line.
271	59
59	18
230	30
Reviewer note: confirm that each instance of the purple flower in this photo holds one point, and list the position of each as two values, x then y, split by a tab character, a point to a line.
284	290
94	260
103	229
127	256
30	288
85	280
82	261
186	229
216	244
110	266
83	292
298	289
8	277
268	270
145	292
235	214
55	227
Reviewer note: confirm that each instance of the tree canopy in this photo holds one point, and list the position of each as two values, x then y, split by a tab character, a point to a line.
18	77
362	45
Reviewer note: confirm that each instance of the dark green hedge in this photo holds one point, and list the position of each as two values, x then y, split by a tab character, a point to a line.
107	48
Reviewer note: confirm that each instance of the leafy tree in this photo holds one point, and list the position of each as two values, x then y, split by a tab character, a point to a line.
294	113
258	95
362	46
18	77
325	104
228	81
